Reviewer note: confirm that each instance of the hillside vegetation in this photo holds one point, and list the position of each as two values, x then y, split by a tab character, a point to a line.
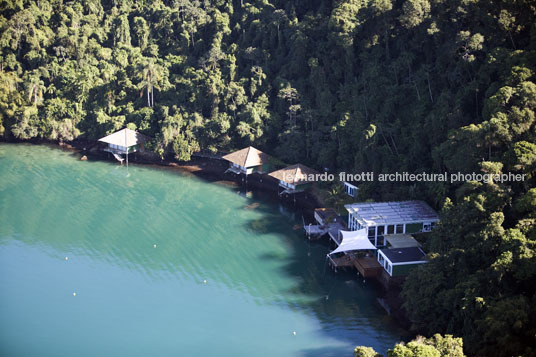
355	85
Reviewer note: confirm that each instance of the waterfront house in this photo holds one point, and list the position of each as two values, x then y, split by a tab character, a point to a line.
381	218
398	262
295	178
247	161
124	142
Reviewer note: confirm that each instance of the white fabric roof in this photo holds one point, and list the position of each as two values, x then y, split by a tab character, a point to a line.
354	240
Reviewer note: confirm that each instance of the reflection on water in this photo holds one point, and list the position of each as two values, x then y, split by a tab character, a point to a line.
263	279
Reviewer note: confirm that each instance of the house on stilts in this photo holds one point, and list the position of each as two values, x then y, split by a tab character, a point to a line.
294	178
124	142
379	242
248	161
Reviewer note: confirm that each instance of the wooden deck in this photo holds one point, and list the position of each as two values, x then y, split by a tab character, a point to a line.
368	267
344	262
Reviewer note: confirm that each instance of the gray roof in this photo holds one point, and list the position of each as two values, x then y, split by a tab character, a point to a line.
382	213
404	255
401	241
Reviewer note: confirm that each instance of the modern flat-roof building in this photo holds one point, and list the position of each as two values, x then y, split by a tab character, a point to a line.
247	161
400	261
381	218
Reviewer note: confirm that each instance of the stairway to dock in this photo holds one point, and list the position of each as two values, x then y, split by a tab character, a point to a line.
119	158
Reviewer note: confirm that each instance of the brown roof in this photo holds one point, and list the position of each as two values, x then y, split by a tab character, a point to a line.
248	157
294	174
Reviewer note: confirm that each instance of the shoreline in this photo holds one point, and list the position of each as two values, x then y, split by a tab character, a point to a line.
211	169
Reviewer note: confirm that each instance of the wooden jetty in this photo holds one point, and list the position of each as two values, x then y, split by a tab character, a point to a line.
317	231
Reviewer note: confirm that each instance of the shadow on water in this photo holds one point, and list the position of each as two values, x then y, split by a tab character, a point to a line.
344	306
338	299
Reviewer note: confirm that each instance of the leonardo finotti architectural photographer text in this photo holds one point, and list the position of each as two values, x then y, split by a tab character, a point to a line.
419	177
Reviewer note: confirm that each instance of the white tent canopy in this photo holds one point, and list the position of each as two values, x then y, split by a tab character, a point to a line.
354	240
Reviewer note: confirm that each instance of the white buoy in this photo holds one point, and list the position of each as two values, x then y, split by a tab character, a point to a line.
294	333
205	282
66	258
74	294
154	246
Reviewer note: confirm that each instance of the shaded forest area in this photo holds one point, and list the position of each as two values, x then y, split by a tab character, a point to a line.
354	85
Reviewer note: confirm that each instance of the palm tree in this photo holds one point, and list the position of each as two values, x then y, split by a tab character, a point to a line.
36	86
150	75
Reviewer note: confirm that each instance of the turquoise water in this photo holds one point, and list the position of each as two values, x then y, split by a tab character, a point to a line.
264	281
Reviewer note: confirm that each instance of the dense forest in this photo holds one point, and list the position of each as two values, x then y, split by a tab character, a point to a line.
436	346
349	85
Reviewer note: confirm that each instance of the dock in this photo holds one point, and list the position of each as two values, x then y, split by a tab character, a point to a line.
333	231
315	231
368	267
346	261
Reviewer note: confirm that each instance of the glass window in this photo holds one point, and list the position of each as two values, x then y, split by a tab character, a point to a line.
390	229
381	230
380	241
372	232
399	228
350	190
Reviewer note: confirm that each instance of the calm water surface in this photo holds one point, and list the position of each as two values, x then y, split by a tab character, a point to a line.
263	279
